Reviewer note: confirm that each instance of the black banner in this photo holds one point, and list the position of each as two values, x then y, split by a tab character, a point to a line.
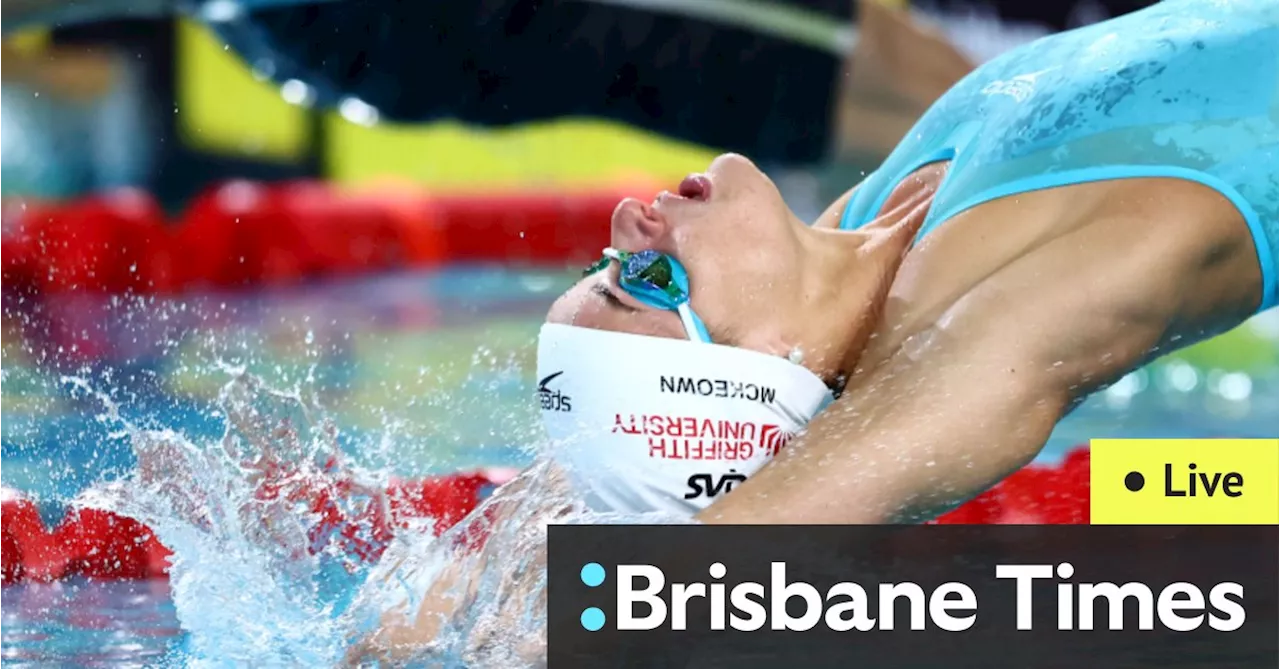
919	596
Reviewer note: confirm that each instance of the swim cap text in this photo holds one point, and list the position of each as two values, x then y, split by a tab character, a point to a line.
722	388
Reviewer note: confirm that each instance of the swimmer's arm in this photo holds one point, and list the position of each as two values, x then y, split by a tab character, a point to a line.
912	439
963	403
402	634
898	67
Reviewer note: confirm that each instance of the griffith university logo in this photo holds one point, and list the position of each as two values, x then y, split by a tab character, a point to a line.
773	439
552	400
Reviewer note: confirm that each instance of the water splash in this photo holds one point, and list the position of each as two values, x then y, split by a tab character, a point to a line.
248	581
257	581
475	597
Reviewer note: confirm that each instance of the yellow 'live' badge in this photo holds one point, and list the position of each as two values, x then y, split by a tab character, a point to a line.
1184	481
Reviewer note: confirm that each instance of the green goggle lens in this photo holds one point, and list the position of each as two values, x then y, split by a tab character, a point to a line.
657	274
644	270
658	281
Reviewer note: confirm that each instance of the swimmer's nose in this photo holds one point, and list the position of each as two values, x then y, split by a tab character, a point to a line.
637	226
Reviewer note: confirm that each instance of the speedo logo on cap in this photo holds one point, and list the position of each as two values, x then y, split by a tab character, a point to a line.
734	390
550	399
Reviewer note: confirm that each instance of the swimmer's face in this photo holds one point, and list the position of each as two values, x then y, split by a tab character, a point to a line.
730	229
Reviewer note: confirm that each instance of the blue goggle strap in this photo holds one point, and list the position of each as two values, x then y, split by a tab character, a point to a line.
656	298
693	325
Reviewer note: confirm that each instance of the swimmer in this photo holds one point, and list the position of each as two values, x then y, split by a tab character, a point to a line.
1063	215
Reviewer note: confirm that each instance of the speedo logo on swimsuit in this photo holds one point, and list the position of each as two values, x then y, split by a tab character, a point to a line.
692	438
1019	88
552	400
734	390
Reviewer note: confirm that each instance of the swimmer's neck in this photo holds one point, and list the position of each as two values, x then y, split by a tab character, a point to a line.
847	274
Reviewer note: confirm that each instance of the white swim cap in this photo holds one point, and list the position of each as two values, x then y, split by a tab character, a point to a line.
643	424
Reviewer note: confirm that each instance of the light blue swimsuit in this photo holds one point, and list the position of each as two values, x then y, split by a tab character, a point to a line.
1186	89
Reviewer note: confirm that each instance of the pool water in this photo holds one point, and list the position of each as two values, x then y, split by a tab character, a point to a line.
435	360
90	624
423	373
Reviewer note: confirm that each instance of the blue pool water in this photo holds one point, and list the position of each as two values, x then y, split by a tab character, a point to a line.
423	373
90	624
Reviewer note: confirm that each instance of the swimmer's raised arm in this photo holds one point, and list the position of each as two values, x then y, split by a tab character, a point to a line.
967	388
505	534
897	69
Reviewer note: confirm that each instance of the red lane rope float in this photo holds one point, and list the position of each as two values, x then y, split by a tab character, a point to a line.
530	228
111	243
89	543
236	235
1033	495
102	545
244	233
361	233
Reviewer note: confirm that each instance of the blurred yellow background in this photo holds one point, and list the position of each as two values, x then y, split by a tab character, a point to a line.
224	108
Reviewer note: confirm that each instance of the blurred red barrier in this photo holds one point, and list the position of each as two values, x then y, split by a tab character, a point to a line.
354	234
981	510
19	523
30	551
10	558
1033	495
113	242
19	250
244	234
103	545
527	228
89	542
447	499
98	544
421	226
234	235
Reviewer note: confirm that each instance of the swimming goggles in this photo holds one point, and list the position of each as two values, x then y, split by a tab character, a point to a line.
656	280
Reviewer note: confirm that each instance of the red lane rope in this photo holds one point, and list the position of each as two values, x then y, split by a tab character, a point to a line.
102	545
243	234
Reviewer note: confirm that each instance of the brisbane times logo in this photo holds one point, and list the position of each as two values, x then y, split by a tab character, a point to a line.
550	399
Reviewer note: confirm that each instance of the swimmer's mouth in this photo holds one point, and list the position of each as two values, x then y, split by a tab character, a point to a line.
696	187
